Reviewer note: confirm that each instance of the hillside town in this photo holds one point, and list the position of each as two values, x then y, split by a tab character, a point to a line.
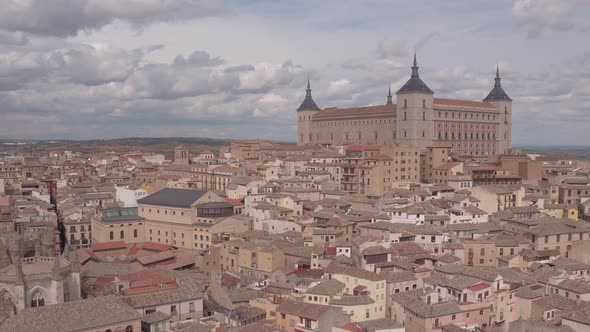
264	236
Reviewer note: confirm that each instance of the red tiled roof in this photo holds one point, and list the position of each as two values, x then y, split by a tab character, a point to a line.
457	104
330	251
104	280
229	280
108	246
155	246
352	327
478	287
234	202
364	112
146	278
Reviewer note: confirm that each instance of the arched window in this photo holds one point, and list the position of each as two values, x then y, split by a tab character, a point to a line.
122	234
5	295
135	233
129	328
111	236
38	299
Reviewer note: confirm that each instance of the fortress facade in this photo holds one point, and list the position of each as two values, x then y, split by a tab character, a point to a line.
476	128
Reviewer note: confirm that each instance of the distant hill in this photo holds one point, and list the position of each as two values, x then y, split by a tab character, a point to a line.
144	144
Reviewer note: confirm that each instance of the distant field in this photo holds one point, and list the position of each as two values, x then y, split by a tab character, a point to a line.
142	144
573	152
196	144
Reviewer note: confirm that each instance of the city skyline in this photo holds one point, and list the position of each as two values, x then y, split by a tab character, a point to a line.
239	69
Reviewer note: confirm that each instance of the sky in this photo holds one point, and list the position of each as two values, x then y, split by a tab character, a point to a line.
86	69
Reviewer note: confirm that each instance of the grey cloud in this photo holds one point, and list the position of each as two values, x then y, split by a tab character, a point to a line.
13	38
539	15
68	17
391	49
425	40
198	59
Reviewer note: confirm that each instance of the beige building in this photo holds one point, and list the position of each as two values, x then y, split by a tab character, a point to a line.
118	224
419	119
498	197
486	249
182	217
361	282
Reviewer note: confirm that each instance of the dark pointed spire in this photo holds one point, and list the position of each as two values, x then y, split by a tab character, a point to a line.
497	79
497	92
308	104
415	67
389	96
415	84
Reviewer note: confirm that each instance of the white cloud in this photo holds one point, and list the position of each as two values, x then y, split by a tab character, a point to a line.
539	15
388	49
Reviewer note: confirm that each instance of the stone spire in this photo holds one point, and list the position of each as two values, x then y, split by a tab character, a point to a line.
20	276
308	104
55	270
74	261
415	84
497	92
37	248
389	97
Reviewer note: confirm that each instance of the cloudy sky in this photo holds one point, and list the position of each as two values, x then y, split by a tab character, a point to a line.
237	69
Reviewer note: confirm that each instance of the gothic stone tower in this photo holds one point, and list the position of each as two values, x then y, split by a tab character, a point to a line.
499	98
305	114
414	112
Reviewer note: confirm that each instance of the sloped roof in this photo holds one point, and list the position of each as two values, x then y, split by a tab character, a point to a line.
308	104
173	197
497	92
81	316
364	111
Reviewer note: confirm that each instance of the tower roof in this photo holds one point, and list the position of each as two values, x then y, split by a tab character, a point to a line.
308	103
497	92
415	84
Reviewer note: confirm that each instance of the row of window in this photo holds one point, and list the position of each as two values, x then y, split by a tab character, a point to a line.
466	136
121	235
165	211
